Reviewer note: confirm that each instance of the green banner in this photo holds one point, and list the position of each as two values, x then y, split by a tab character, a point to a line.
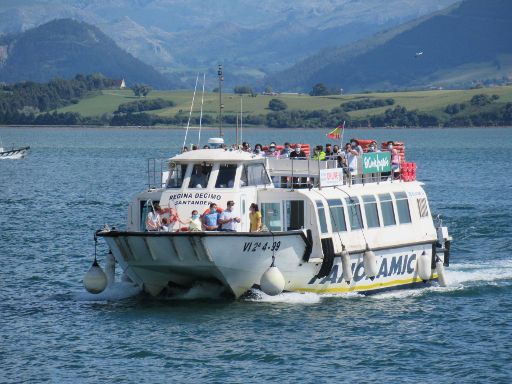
376	162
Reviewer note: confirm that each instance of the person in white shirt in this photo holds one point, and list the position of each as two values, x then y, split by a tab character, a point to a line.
227	219
153	220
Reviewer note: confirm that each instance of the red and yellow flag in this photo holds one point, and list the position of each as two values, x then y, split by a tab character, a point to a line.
336	132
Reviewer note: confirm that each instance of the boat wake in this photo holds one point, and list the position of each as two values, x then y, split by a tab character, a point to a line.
285	297
114	292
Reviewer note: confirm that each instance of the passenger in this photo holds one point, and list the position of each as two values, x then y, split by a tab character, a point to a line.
351	156
335	150
357	147
258	149
211	218
298	153
227	219
195	224
395	158
246	147
328	151
198	178
255	218
194	147
286	151
153	220
165	225
373	147
206	146
185	149
319	153
272	151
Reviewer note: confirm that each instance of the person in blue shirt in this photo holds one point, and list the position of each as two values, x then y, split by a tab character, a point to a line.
211	218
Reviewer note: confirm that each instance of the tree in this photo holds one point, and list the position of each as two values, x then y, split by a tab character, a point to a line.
242	89
277	105
319	89
141	90
268	89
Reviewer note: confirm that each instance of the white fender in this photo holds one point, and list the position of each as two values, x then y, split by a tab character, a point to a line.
110	268
370	264
423	266
345	263
441	277
95	280
272	281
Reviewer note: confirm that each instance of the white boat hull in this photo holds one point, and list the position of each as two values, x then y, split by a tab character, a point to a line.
14	154
237	261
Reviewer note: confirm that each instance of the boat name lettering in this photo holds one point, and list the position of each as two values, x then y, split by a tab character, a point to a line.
397	265
250	246
211	196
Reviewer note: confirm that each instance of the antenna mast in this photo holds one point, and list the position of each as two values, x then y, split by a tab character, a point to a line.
221	106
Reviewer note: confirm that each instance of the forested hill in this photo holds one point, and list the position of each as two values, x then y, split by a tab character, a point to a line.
62	48
467	43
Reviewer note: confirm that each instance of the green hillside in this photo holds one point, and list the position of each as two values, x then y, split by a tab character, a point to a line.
432	102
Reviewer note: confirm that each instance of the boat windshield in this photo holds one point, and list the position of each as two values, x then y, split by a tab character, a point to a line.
200	175
177	173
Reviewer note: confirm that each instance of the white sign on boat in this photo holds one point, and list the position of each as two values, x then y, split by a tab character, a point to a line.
331	177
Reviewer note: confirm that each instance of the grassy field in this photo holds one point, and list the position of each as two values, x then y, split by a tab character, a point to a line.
432	102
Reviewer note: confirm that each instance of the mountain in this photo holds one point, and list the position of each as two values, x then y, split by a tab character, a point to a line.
466	43
251	38
63	48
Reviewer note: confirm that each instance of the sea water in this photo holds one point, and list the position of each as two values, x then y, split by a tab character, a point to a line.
75	180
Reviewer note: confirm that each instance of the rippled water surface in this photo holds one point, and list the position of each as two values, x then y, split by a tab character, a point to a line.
75	180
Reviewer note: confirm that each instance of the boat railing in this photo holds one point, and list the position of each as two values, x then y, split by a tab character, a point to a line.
157	172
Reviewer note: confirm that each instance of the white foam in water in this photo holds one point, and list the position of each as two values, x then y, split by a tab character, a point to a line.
459	274
199	291
285	297
116	291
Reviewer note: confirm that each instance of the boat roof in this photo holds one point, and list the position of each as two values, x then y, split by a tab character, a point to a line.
220	154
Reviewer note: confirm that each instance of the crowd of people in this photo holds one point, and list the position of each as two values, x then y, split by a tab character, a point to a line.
213	219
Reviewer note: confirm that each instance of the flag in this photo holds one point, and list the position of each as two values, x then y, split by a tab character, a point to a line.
336	132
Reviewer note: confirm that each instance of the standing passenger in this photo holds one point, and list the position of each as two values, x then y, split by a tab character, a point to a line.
211	218
286	151
255	218
153	220
227	219
195	222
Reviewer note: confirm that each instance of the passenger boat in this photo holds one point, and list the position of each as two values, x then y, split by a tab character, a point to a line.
14	153
325	230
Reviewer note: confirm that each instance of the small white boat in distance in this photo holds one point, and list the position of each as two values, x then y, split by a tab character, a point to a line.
325	230
14	153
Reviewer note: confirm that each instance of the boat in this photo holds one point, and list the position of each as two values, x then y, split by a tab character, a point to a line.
325	230
14	153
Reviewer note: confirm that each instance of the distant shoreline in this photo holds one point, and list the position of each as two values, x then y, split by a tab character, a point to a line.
175	128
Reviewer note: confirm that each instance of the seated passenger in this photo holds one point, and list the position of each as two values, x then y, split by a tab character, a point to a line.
153	219
255	218
319	153
272	151
198	178
373	147
227	219
258	149
286	151
195	224
211	218
246	147
298	153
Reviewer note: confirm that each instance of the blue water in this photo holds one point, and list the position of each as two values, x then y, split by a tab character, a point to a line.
75	180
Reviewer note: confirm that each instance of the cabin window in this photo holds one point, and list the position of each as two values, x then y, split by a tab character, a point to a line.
337	215
226	177
176	175
423	207
371	212
321	216
200	175
386	207
254	174
402	206
271	214
354	213
294	214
